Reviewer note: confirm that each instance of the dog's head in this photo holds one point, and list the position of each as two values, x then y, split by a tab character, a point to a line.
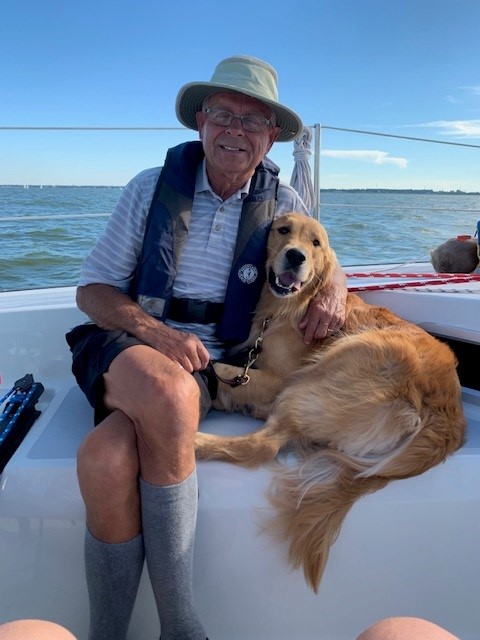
299	256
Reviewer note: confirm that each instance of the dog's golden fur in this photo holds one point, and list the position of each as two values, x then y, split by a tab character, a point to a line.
376	402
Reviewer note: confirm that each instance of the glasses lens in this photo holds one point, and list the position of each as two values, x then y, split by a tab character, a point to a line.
223	118
253	123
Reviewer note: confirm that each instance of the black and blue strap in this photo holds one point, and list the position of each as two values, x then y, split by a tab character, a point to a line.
18	415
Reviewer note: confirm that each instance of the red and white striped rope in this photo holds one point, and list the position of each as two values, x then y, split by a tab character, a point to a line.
375	274
431	279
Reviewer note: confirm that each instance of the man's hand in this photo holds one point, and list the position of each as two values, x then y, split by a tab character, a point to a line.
184	348
326	313
111	309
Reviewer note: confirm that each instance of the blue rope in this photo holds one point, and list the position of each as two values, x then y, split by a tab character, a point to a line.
7	395
5	426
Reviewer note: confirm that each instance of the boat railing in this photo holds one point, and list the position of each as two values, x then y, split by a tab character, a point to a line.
346	237
312	176
317	153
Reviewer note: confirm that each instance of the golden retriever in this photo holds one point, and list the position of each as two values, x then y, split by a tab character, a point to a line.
379	401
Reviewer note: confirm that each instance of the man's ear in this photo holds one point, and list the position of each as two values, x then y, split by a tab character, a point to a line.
200	118
273	135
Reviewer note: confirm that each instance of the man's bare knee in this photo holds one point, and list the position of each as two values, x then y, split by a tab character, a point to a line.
108	454
108	468
169	409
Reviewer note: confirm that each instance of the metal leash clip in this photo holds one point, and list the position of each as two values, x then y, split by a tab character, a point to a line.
243	378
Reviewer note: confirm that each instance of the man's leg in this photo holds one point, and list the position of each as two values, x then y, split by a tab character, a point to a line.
114	556
161	401
169	518
166	421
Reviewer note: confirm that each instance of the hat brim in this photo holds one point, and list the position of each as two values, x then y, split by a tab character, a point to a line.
191	97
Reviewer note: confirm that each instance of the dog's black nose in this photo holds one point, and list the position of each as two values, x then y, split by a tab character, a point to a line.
295	257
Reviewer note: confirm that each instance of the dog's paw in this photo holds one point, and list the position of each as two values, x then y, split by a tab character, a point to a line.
226	371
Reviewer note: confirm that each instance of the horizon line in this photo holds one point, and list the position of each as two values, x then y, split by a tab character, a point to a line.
369	189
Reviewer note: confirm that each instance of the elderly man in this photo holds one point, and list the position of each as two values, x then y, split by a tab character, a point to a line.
172	281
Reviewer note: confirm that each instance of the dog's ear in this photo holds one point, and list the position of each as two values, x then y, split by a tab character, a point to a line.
330	265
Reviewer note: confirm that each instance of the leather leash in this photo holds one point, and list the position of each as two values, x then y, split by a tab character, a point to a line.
243	378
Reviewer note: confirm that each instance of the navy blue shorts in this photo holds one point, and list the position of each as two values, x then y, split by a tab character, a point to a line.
93	350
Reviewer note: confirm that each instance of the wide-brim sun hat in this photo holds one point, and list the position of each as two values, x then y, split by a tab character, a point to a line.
240	74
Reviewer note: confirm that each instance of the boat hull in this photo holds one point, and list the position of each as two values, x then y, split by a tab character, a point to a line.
412	548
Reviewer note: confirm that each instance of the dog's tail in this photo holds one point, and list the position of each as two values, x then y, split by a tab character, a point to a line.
311	502
311	499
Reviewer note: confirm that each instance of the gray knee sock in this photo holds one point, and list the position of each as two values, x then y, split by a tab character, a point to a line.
113	574
169	516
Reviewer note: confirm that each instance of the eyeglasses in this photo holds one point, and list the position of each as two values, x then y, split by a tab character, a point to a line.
223	118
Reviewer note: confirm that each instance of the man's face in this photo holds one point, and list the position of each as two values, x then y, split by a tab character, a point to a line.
231	149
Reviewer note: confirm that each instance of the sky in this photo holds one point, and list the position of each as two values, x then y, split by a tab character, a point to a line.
401	67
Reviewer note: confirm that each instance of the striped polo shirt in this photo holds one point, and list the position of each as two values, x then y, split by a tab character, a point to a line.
204	266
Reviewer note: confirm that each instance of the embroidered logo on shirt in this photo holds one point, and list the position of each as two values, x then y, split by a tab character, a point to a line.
248	273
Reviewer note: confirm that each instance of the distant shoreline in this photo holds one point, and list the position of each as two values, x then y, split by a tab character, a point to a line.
405	191
65	186
457	192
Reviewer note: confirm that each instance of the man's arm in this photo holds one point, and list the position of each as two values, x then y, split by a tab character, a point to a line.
111	309
326	313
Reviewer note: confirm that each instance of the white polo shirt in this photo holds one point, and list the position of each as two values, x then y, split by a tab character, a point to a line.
205	263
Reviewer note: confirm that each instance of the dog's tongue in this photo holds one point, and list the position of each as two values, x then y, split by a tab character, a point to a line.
289	280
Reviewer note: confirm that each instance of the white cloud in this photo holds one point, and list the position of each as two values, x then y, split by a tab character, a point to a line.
456	128
472	89
372	156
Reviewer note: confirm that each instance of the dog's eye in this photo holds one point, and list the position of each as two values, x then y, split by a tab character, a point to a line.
316	242
283	230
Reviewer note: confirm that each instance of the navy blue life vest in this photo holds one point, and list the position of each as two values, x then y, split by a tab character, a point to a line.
166	231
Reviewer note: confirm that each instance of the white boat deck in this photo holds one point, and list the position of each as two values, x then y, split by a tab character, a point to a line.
411	549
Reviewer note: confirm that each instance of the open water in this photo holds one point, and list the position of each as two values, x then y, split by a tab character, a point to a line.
364	228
